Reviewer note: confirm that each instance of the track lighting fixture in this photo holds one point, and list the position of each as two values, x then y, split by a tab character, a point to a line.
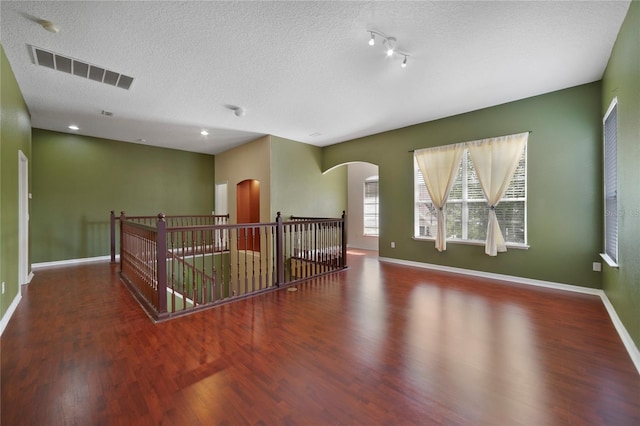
390	44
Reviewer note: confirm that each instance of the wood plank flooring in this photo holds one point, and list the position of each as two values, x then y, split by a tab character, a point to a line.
376	344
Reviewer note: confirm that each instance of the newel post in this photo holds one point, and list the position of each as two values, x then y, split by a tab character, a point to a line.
344	239
161	256
112	236
279	251
123	217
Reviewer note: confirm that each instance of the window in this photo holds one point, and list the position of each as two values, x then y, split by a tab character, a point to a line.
611	184
371	206
467	210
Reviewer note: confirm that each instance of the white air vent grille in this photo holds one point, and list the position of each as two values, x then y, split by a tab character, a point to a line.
82	69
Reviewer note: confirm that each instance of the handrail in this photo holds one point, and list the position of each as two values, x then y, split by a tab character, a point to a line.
306	218
230	226
151	219
211	264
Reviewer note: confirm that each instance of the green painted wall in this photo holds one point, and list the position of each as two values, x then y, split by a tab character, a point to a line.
622	80
15	135
78	180
297	184
564	184
290	176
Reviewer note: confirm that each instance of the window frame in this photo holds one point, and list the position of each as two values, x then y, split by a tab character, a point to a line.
371	180
611	255
465	201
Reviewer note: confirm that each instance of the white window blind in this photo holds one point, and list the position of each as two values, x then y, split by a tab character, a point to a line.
371	206
467	209
611	182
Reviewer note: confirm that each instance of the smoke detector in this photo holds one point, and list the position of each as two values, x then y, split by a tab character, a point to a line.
237	111
48	25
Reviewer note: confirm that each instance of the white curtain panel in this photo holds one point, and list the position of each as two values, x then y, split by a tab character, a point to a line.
439	167
495	161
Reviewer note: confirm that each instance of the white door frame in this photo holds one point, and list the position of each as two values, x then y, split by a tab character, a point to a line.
221	198
23	218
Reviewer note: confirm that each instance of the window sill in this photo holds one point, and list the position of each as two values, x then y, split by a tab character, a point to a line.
608	260
474	243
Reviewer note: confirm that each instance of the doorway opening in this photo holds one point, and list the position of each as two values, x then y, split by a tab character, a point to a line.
248	211
221	199
23	218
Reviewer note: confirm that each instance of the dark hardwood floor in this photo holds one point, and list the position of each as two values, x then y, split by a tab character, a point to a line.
376	344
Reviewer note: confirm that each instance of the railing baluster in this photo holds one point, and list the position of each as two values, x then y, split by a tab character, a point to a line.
343	224
194	282
246	244
112	236
173	271
274	273
236	284
279	252
204	250
253	259
228	285
161	242
262	243
122	219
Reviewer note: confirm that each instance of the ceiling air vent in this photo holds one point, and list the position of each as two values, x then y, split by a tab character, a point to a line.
79	68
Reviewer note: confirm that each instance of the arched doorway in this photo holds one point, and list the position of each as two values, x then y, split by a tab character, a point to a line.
248	211
363	205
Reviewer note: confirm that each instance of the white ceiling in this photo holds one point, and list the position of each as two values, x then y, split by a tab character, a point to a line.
302	70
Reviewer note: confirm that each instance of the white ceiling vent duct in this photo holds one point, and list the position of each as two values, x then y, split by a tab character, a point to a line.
79	68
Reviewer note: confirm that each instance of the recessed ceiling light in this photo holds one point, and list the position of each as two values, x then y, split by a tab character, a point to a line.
204	133
74	127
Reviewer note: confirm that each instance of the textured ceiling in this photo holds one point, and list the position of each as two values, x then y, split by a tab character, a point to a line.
301	70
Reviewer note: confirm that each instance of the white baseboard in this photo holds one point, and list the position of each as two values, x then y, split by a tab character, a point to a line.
30	277
629	345
69	262
493	276
359	247
633	350
12	308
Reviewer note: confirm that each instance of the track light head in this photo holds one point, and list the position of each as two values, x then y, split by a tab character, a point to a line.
372	41
404	63
390	42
